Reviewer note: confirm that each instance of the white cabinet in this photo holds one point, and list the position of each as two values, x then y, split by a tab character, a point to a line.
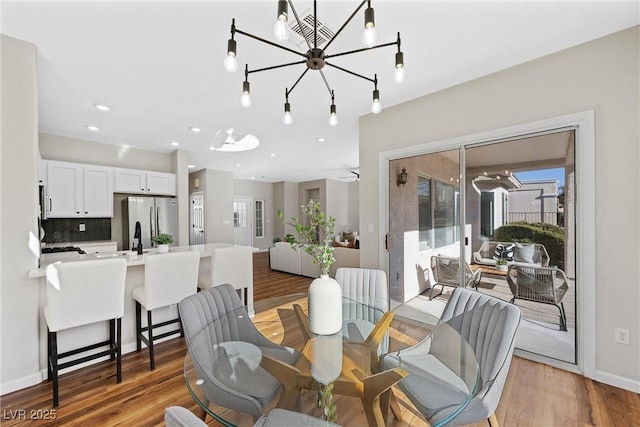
76	190
144	182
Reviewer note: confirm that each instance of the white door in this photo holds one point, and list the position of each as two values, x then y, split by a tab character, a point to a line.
243	221
197	219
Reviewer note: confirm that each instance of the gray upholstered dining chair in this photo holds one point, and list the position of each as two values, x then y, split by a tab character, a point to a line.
210	319
489	325
177	416
368	287
446	272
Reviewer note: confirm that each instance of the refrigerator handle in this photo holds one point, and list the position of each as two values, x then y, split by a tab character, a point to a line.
158	219
151	222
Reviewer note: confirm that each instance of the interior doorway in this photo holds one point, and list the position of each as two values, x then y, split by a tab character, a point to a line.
243	220
197	236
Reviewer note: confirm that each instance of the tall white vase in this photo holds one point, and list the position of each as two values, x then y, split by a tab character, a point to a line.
325	306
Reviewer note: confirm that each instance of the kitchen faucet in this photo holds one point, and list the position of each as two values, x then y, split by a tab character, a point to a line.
137	234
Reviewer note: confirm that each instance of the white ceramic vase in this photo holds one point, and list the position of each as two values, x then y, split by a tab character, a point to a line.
163	249
325	306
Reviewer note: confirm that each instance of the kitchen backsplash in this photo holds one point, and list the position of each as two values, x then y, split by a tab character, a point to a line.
60	230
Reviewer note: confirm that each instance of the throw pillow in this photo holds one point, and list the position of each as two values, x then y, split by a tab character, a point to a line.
524	253
504	251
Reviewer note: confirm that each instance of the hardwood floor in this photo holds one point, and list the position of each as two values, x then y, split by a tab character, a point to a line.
534	395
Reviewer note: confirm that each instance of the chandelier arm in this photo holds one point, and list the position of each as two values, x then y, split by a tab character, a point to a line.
351	72
293	9
326	83
269	42
275	66
364	49
344	25
299	78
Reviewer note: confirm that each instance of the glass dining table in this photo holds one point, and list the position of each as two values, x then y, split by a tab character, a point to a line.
334	372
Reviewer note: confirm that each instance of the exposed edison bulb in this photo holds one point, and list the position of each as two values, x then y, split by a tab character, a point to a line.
399	74
287	119
281	30
369	36
333	119
245	99
376	107
231	63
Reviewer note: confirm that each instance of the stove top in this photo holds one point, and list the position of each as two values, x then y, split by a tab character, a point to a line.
62	249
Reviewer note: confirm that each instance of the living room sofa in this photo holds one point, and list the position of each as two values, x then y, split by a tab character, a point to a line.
283	257
523	254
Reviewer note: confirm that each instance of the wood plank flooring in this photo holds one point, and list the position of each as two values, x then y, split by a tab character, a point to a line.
534	395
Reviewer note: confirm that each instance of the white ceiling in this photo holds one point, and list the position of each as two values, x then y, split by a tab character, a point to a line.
159	66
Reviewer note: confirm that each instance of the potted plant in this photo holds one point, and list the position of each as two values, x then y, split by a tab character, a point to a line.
501	264
315	237
163	240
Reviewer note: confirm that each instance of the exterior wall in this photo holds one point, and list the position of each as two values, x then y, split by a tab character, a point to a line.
534	201
602	75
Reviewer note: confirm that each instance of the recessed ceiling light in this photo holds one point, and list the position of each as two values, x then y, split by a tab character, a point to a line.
194	129
253	177
93	128
191	166
102	107
238	164
174	143
272	154
321	139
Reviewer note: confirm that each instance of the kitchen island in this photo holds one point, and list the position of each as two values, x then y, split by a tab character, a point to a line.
239	274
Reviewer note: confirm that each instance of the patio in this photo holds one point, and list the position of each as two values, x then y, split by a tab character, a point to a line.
539	330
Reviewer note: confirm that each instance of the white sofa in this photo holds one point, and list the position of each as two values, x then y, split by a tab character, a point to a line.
539	257
283	257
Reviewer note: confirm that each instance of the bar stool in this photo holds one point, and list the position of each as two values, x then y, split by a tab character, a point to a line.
233	265
168	279
80	293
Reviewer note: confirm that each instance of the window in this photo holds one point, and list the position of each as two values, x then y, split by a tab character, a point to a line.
437	213
239	214
259	218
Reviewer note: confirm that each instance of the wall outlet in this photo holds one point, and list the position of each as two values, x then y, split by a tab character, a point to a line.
622	336
81	227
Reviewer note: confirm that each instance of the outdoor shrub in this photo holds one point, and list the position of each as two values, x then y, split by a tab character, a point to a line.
551	236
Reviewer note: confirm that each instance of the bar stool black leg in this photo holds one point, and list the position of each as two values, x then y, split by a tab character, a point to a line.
138	326
53	358
150	338
119	350
112	335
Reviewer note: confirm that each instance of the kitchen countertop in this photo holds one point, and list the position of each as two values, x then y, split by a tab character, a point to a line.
133	259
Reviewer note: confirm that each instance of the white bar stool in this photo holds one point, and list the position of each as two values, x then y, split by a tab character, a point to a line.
168	279
233	265
80	293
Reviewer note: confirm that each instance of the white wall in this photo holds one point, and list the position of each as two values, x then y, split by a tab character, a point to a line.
219	206
19	295
602	75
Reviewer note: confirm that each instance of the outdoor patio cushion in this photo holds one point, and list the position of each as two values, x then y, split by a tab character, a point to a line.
524	253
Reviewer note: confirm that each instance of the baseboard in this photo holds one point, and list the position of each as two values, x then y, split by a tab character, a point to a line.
37	378
618	381
20	383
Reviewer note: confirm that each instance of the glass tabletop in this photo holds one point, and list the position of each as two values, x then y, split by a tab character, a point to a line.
346	360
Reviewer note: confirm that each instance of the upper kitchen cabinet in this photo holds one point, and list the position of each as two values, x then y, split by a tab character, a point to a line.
144	182
76	190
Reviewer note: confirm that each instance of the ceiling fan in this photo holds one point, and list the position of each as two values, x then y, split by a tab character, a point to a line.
356	175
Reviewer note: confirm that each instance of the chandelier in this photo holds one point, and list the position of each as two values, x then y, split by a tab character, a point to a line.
315	58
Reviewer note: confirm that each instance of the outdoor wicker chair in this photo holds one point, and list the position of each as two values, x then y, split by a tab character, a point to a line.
546	285
446	272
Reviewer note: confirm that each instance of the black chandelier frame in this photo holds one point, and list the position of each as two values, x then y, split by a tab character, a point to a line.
315	58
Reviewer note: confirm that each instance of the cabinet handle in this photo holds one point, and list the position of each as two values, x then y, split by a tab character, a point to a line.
78	212
85	212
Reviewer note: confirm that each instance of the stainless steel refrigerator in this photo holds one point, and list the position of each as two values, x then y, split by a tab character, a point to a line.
154	215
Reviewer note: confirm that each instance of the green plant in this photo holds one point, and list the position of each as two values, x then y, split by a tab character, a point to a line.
163	239
501	261
316	238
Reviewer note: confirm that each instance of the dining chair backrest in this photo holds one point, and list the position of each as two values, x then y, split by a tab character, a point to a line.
169	278
84	292
489	325
368	286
